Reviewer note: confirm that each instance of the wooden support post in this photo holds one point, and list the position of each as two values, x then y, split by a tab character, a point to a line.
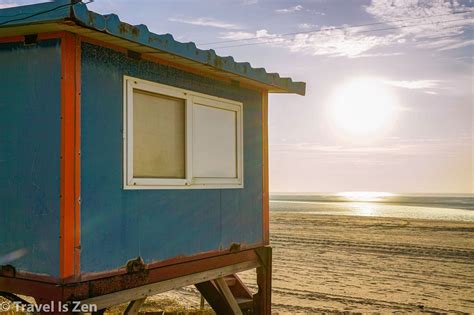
201	305
227	295
213	296
134	306
263	298
13	298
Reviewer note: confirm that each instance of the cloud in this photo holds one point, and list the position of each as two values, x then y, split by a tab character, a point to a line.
249	2
334	149
458	45
307	26
424	31
414	84
316	12
392	146
290	9
430	28
258	35
8	5
379	55
205	21
330	41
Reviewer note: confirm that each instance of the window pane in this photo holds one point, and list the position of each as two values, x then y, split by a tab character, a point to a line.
214	142
158	136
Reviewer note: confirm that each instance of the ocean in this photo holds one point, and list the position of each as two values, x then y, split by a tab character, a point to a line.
456	207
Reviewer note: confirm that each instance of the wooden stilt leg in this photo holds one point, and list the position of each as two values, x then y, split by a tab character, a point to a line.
201	305
134	306
13	298
213	295
263	298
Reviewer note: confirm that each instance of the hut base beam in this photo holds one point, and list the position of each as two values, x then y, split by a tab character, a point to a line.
124	296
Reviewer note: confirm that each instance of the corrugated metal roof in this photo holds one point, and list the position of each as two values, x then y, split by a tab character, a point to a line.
67	12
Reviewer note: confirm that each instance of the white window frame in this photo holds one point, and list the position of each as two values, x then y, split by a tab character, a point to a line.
190	98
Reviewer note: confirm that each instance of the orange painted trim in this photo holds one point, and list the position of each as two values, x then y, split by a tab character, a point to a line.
69	202
12	39
265	171
77	162
43	36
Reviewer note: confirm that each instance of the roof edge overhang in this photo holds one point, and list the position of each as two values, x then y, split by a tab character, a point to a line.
74	16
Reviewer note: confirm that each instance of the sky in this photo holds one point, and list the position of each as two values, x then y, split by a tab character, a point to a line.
387	110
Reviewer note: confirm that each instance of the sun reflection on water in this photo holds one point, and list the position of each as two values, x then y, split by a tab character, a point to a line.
364	208
365	196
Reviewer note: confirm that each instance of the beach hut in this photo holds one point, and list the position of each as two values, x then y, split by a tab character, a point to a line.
130	163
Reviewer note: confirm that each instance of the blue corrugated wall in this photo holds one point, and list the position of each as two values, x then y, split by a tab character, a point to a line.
30	144
117	224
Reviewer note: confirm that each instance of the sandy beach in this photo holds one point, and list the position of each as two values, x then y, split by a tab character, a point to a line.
356	264
328	263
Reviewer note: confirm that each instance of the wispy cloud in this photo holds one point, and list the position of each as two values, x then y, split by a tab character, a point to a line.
206	21
329	42
293	9
425	32
316	12
380	55
414	84
461	44
307	26
431	28
393	146
8	5
297	8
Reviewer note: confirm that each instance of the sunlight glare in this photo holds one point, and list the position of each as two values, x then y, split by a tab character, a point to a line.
365	209
365	196
362	107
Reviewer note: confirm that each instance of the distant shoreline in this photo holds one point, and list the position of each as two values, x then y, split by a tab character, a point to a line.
424	205
454	201
423	211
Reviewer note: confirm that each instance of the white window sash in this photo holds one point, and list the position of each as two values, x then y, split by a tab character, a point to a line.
191	98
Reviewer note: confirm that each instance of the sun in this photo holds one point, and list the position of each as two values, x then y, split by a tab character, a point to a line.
362	107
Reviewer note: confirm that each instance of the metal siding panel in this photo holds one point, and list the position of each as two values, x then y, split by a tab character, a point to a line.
118	224
30	129
180	223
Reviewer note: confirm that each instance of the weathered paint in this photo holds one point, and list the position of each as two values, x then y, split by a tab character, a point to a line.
117	224
62	10
109	283
30	131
